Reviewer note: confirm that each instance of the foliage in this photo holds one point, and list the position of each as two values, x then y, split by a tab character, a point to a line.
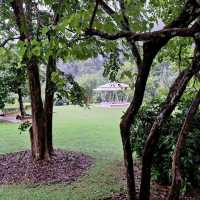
112	65
190	159
161	78
90	82
4	91
69	89
23	127
12	75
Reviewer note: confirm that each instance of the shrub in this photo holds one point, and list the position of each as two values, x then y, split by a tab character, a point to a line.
59	102
190	157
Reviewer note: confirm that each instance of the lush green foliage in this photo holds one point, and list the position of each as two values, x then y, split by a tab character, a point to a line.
4	91
12	75
190	158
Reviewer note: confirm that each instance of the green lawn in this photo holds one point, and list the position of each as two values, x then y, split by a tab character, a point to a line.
92	131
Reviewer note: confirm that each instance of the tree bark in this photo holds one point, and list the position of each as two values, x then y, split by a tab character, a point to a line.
176	172
38	117
21	104
173	98
49	100
50	88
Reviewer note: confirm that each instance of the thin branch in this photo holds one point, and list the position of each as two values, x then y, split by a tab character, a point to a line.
126	26
125	18
94	14
180	57
107	8
9	39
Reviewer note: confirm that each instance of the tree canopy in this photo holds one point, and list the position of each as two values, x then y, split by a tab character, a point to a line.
143	32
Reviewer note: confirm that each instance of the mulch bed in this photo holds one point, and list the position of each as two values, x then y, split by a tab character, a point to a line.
64	167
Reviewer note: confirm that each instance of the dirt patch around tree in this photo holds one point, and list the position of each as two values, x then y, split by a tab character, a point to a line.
64	167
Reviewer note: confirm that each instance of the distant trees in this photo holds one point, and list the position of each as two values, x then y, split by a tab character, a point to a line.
13	77
4	90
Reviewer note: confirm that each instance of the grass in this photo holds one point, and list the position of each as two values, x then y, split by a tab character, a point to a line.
92	131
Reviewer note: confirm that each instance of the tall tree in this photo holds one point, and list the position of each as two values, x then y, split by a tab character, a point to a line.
25	26
152	44
42	42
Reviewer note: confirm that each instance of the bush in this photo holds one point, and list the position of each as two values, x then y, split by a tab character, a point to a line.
190	157
59	102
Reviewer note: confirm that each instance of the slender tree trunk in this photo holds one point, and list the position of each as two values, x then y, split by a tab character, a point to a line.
176	172
173	98
50	87
21	104
49	100
128	161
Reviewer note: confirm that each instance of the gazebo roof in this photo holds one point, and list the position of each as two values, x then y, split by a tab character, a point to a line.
113	86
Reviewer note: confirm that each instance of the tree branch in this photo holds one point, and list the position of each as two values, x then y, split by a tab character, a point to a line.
107	8
124	27
94	14
9	39
164	33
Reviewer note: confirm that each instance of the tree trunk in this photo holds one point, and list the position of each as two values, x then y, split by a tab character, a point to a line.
176	172
39	139
174	96
21	104
49	100
50	87
150	50
38	134
128	161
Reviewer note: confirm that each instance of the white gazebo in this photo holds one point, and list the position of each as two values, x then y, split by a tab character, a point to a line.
113	94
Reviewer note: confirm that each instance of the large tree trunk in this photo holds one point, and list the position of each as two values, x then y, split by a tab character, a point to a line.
176	172
21	104
173	98
49	100
39	139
